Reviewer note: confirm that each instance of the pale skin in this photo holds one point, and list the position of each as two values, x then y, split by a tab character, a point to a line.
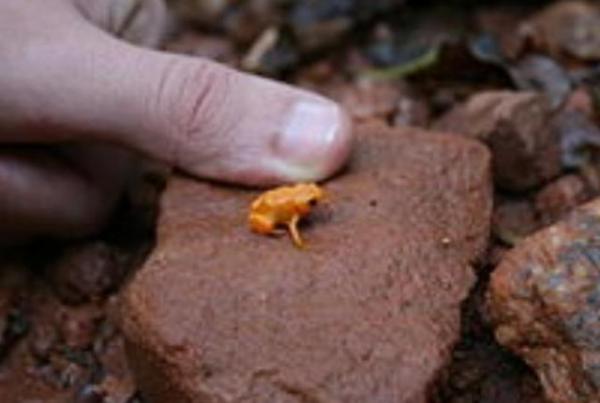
76	103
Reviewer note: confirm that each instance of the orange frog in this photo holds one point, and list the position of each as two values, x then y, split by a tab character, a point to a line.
285	205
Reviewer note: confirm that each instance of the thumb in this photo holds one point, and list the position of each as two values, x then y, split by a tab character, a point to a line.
206	119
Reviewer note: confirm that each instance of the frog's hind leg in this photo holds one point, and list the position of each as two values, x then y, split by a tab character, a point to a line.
293	227
260	224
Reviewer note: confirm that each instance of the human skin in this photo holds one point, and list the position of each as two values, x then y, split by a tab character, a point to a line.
77	103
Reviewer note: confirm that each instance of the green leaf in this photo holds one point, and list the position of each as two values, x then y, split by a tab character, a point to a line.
425	61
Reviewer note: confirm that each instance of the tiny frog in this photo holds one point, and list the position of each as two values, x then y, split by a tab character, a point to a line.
285	205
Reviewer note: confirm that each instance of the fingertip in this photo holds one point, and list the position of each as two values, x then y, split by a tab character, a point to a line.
315	141
341	148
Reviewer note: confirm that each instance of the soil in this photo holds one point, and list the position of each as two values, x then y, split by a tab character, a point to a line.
426	65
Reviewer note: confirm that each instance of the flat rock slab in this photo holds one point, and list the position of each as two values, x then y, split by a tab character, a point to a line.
368	313
544	300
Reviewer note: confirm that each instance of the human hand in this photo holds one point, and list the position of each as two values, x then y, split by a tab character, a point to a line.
73	98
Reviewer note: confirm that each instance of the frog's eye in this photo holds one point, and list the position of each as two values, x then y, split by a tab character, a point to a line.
312	202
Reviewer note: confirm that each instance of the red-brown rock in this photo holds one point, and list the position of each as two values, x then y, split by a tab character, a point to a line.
368	313
517	128
513	220
544	301
560	197
567	28
88	271
364	100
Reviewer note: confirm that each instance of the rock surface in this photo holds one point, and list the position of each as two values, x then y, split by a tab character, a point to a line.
513	220
560	197
51	352
544	301
517	127
567	28
366	100
88	271
368	313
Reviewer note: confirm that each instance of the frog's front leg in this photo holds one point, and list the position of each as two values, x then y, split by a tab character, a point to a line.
293	227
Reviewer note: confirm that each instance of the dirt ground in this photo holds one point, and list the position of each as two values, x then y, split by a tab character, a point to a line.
523	79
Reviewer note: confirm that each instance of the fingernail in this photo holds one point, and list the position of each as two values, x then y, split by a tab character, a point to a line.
309	134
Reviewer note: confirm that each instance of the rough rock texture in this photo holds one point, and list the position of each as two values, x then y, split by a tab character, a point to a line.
560	197
512	220
87	272
517	128
567	28
53	352
366	100
579	138
544	301
368	313
485	373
